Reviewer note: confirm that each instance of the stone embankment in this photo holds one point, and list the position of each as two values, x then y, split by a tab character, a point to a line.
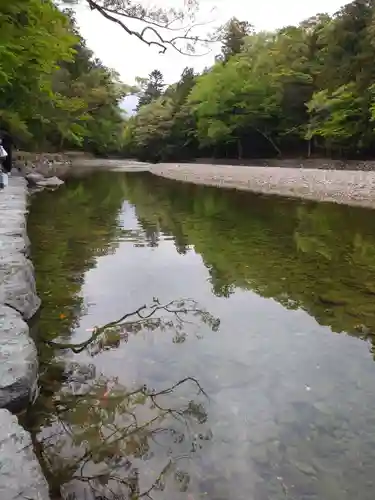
20	473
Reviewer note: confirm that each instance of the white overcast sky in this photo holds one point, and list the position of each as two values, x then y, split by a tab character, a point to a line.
131	58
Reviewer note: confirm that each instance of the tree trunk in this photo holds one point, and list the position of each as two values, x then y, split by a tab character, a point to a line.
239	149
269	139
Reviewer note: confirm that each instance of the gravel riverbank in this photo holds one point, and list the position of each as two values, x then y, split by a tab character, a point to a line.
340	186
350	183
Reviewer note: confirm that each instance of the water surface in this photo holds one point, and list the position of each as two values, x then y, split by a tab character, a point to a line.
288	377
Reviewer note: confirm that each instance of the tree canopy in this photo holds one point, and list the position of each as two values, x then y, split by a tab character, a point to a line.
53	92
300	90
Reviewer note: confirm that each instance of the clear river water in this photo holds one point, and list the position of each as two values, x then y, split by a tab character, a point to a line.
256	382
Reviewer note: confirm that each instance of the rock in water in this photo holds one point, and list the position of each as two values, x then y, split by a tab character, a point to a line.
17	284
20	472
50	182
18	362
33	178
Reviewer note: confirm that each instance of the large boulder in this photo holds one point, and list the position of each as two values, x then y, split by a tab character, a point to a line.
21	476
14	246
13	236
17	284
18	362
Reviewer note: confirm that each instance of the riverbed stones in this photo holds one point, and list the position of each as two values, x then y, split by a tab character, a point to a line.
20	472
18	361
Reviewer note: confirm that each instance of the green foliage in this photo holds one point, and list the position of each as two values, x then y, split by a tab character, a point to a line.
233	38
337	116
53	93
34	37
151	88
164	127
300	90
233	98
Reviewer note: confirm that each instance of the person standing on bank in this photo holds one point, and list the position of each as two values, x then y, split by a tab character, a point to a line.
7	143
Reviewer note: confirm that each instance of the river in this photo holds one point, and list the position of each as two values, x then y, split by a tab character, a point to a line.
256	383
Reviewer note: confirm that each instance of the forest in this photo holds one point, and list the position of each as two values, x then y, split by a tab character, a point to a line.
300	91
54	94
306	90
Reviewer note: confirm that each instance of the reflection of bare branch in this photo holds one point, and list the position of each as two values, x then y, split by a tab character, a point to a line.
177	384
110	334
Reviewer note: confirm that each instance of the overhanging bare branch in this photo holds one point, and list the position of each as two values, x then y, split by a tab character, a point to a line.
119	11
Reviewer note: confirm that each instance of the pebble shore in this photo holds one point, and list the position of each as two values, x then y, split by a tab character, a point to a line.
341	186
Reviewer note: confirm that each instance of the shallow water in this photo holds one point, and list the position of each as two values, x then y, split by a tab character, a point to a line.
288	377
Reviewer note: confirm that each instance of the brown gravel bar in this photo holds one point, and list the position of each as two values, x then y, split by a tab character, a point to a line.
348	187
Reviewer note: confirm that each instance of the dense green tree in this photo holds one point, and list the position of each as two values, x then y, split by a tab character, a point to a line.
53	92
233	37
165	127
151	88
336	117
34	36
233	98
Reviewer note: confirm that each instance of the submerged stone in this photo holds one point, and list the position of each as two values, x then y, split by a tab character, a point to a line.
18	361
50	182
21	476
332	300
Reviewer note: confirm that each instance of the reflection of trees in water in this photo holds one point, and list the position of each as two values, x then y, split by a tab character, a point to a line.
69	229
315	256
101	435
94	435
93	432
